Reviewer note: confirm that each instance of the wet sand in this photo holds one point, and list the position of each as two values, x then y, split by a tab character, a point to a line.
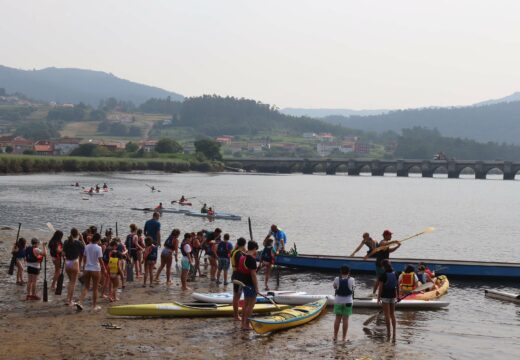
38	330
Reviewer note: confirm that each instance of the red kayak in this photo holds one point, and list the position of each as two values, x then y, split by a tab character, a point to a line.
185	203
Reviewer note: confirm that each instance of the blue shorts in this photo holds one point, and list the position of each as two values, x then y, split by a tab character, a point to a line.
249	292
185	263
223	264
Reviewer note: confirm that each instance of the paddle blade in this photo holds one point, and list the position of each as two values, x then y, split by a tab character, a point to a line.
423	287
429	229
51	228
372	318
11	265
239	283
59	285
45	291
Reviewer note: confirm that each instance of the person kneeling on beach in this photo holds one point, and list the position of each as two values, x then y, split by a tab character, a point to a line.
93	269
344	285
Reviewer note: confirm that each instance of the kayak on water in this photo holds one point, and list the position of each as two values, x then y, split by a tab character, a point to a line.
442	282
502	295
92	193
173	211
368	302
223	216
177	309
227	298
185	203
289	318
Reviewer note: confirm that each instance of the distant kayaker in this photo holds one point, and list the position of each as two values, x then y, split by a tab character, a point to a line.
105	186
182	200
246	272
204	209
382	252
370	243
97	188
159	207
280	239
388	295
210	212
91	190
236	254
344	286
152	228
408	280
77	184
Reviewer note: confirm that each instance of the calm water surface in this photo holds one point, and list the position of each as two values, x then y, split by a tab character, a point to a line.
474	220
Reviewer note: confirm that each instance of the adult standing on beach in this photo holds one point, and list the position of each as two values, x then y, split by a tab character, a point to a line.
73	247
34	256
382	252
388	295
152	228
55	248
280	239
171	246
246	272
236	254
93	269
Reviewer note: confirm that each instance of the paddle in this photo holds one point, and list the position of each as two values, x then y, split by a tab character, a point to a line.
416	290
13	258
240	283
384	247
153	188
45	290
59	285
177	201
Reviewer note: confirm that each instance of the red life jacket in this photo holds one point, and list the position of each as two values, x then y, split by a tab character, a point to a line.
242	268
408	281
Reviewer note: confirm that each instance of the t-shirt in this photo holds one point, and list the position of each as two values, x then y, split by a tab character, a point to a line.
382	255
187	249
344	299
279	237
73	249
151	228
389	292
93	253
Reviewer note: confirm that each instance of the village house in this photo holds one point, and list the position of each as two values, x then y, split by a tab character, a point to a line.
17	143
224	139
44	147
65	146
148	145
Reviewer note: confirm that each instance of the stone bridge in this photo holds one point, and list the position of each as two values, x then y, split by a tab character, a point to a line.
375	167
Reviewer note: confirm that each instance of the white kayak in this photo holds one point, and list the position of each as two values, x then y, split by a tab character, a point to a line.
92	193
223	216
172	210
227	298
502	295
294	299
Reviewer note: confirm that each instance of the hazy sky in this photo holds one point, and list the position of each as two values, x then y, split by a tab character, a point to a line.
291	53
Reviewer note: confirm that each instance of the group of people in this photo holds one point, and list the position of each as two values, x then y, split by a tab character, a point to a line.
104	264
390	287
96	189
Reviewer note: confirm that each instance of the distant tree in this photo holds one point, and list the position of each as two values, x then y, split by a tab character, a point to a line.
86	150
97	115
131	147
103	126
76	113
168	146
9	149
209	148
28	152
134	131
38	130
118	129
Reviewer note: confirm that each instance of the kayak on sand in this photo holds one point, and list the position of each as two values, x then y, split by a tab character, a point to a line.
289	318
227	298
502	295
293	299
177	309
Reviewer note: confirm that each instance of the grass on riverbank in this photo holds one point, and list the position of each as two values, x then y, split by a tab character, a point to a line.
26	164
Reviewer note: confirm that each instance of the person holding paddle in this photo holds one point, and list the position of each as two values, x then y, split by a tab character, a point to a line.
19	255
55	248
382	252
388	295
34	256
246	273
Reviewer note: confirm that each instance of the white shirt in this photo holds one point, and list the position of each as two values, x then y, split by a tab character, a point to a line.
344	299
187	249
92	254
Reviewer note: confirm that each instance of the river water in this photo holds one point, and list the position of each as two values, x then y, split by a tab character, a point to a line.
474	220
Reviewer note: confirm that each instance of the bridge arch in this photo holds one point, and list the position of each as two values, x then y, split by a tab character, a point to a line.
319	168
494	173
390	170
467	172
440	171
365	170
414	171
341	168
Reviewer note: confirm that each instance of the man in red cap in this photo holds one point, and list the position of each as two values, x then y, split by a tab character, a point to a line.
382	252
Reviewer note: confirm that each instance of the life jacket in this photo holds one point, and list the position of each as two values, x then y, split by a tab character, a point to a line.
113	265
223	249
234	256
267	254
183	252
152	255
343	288
408	281
242	268
129	241
106	255
30	257
169	242
391	281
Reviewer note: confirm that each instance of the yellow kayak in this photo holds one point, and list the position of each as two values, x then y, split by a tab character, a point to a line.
177	309
443	286
289	318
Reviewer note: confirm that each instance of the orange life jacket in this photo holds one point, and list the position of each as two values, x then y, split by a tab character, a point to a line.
408	281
